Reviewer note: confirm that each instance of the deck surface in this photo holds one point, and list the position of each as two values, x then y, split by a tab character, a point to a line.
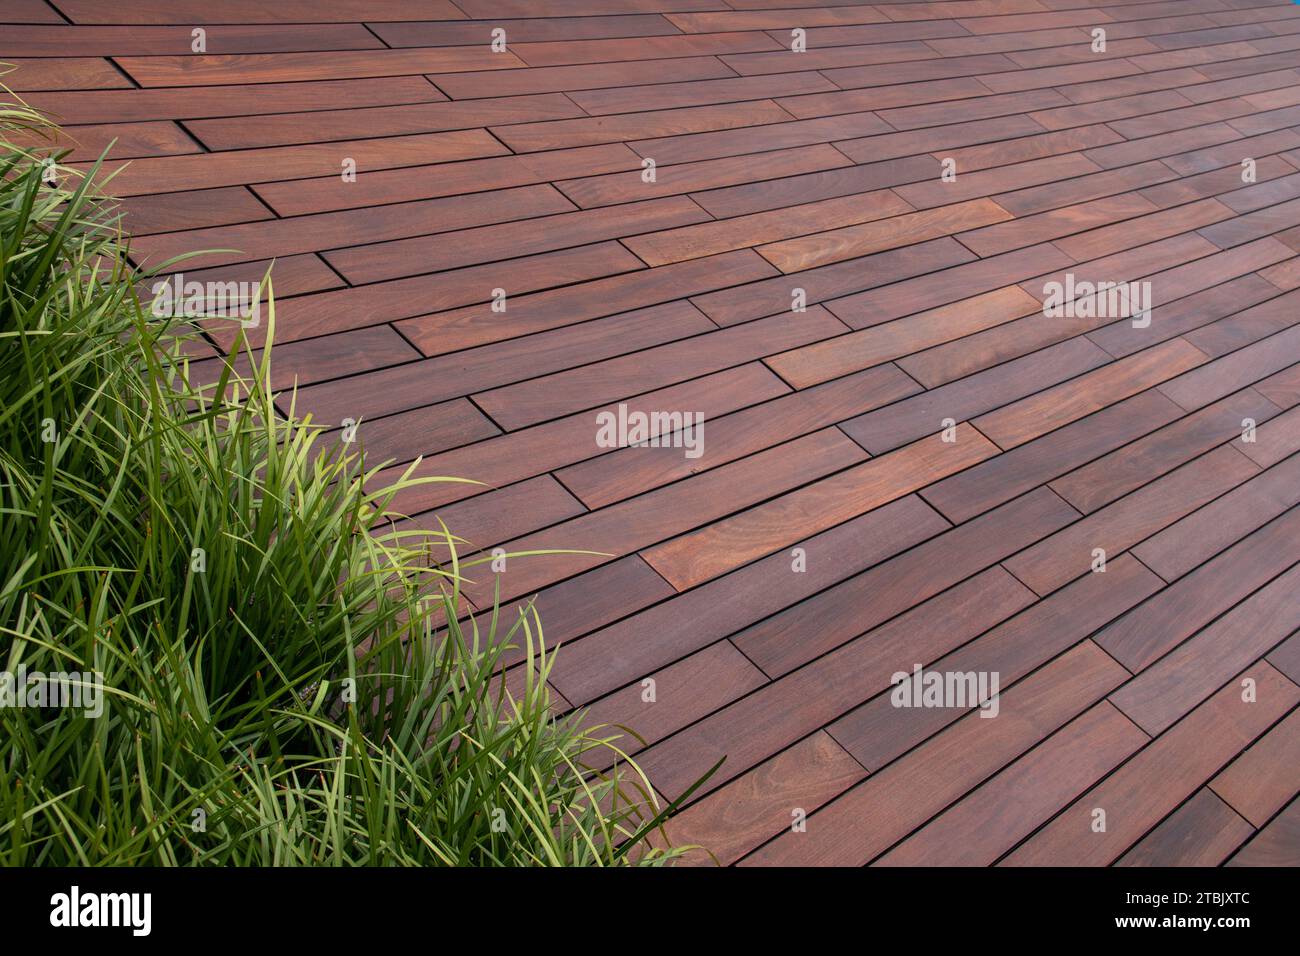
919	467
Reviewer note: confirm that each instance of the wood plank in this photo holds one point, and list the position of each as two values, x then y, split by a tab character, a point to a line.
693	558
1142	637
855	241
253	11
683	693
619	654
1030	417
243	167
877	732
143	40
63	73
822	361
1129	468
555	79
531	451
969	397
472	32
126	106
399	387
775	716
633	525
691	242
630	471
370	305
213	69
1118	526
709	174
1160	777
1173	685
1202	832
460	247
866	821
837	615
1005	810
1264	778
730	823
333	230
1278	844
1017	471
561	393
478	324
590	131
285	129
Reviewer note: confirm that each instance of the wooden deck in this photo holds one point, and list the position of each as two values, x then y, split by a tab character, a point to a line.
916	467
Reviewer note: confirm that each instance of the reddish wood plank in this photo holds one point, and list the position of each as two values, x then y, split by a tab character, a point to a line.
844	611
1160	777
730	823
1202	832
629	471
560	393
858	826
724	545
215	69
1265	777
1173	685
877	732
1278	844
752	729
1118	526
1005	810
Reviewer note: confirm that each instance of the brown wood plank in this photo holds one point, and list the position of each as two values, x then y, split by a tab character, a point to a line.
730	823
539	399
775	716
838	614
124	106
1202	832
1265	777
724	545
630	471
893	801
253	11
214	69
1169	688
476	325
1118	526
621	653
242	167
877	732
1278	844
1002	812
1160	777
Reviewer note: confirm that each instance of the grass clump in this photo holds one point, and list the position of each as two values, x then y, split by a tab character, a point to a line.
284	679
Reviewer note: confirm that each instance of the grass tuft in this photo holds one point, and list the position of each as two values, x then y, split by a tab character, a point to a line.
285	680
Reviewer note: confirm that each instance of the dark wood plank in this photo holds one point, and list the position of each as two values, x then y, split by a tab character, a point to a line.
843	612
1005	810
1278	844
1202	832
877	732
1265	777
866	821
1160	777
